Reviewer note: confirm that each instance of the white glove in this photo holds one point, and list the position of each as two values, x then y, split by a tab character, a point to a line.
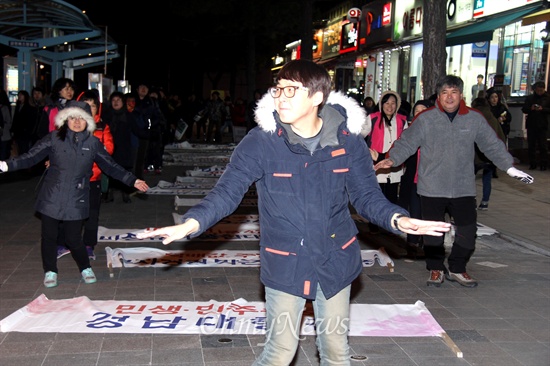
518	174
3	167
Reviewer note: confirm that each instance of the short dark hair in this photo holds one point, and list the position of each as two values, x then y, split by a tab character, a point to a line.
452	81
59	84
115	94
311	75
480	102
480	76
539	84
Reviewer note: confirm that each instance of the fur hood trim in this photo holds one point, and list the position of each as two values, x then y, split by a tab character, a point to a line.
397	97
264	114
63	115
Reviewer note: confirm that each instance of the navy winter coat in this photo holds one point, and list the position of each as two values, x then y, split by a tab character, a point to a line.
308	236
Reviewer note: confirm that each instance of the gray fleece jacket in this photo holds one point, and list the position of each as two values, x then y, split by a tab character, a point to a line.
446	166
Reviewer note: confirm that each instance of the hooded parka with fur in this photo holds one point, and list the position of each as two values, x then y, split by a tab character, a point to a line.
64	193
308	236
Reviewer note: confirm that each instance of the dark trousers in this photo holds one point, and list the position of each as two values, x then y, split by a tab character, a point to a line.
464	215
140	158
92	222
154	152
536	138
214	124
412	204
73	236
390	191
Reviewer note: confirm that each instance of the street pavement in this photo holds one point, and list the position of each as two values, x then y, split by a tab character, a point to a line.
505	321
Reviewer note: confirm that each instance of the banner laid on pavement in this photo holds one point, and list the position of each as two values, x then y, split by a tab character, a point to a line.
227	229
82	315
153	257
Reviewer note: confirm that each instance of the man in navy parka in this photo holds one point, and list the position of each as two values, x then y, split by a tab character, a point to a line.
308	160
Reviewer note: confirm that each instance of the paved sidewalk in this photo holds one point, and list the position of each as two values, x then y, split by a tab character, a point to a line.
505	321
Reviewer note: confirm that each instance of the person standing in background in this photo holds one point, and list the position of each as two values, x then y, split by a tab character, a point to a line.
369	105
481	161
127	128
228	120
537	109
5	126
500	111
63	91
215	113
408	195
38	102
478	87
159	131
151	114
251	108
24	119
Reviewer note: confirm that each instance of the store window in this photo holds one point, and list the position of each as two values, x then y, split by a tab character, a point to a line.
522	57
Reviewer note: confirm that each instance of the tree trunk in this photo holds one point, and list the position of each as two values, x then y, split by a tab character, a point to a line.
307	33
434	55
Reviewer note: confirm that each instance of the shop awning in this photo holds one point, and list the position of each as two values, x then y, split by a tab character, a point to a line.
539	16
483	31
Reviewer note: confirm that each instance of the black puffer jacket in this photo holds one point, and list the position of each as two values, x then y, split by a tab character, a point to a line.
64	194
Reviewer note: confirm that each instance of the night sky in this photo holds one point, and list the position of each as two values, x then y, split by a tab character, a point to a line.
166	42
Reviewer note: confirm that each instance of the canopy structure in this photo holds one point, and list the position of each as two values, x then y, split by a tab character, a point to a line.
483	30
52	32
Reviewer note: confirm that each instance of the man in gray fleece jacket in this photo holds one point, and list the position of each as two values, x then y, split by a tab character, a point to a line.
446	134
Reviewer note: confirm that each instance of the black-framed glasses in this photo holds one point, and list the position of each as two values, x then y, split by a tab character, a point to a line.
289	91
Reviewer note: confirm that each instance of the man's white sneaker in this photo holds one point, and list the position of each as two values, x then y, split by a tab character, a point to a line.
436	278
463	278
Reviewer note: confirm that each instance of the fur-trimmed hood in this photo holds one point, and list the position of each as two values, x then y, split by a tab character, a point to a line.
76	109
264	114
397	97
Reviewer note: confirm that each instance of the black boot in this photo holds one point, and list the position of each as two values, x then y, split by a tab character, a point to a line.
126	197
533	166
542	167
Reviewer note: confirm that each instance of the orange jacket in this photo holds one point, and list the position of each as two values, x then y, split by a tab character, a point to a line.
103	133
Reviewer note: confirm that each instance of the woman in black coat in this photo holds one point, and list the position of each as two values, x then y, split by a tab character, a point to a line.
64	195
500	111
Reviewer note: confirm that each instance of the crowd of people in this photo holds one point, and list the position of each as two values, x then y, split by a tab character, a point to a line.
310	151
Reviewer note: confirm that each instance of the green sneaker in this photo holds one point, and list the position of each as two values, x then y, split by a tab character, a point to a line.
88	276
50	279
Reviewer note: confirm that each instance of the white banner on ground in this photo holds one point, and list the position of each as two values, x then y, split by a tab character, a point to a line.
184	158
250	200
185	145
82	315
185	185
153	257
213	171
178	191
196	180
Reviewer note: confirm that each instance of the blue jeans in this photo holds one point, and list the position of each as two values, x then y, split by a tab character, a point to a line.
284	315
488	169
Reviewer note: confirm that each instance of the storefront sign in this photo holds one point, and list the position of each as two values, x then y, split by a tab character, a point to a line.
483	8
408	14
480	49
354	14
331	39
375	27
348	38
